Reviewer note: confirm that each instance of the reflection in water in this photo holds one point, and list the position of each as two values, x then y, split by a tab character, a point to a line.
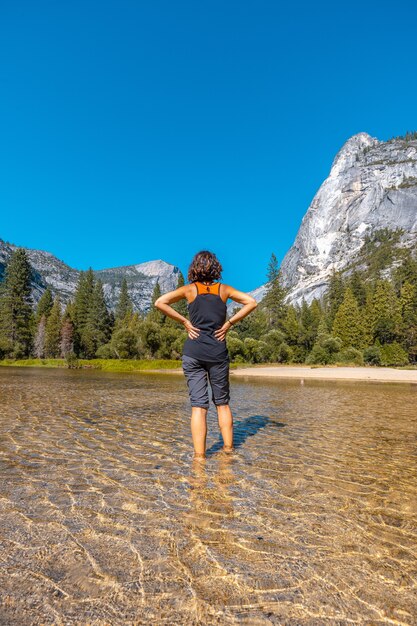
106	518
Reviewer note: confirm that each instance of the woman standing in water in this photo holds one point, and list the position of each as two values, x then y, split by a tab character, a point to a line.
205	355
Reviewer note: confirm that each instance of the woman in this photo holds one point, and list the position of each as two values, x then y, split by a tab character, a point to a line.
205	353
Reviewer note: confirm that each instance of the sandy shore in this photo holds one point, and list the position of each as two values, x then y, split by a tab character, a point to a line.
301	372
377	374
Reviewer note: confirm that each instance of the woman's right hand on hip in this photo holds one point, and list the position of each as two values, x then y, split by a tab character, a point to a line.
193	332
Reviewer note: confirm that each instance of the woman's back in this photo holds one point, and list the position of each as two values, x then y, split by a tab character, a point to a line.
207	312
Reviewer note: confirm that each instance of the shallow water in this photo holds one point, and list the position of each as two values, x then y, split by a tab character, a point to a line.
105	518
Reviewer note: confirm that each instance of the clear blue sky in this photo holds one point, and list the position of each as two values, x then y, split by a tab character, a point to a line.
133	131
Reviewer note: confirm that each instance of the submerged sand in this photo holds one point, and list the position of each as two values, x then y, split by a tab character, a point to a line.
106	520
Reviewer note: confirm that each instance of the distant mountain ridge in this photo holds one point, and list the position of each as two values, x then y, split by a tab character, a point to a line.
49	271
372	186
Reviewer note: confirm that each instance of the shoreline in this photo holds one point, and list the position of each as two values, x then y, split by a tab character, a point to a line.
267	371
329	373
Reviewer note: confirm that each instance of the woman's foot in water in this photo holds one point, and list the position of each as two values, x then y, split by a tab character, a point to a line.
199	456
228	449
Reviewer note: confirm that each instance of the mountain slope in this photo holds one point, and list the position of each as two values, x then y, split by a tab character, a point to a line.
372	185
62	279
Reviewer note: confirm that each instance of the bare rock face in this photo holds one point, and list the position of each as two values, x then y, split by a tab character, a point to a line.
49	271
372	185
141	280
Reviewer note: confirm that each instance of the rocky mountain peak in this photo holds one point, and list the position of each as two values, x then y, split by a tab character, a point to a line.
372	186
153	268
348	154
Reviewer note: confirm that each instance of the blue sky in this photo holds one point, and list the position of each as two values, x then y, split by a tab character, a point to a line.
133	131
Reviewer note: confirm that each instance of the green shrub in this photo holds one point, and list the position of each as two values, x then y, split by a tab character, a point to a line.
393	354
124	343
324	350
168	336
319	356
150	335
176	347
6	348
264	352
274	338
18	351
72	361
350	355
372	355
106	352
331	344
284	353
298	354
252	350
235	346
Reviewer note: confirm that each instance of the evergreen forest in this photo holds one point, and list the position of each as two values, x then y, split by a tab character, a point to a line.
368	315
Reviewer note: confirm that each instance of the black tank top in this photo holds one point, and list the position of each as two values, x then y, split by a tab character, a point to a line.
207	312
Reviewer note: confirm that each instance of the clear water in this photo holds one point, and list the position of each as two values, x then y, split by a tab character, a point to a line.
106	519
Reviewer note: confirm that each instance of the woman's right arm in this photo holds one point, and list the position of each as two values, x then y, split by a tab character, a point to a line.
249	303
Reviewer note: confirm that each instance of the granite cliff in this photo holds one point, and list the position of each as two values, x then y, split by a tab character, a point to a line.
372	185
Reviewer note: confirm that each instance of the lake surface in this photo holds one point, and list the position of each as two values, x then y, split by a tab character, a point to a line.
106	519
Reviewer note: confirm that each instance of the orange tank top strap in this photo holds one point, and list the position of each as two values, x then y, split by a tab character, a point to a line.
213	288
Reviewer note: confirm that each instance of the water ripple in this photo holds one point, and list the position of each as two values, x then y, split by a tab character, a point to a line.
106	519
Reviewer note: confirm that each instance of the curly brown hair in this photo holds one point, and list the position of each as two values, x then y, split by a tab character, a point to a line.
205	267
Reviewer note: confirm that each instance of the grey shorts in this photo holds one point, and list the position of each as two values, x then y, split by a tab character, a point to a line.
198	373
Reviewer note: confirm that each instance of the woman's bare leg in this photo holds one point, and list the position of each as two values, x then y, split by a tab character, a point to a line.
199	430
225	417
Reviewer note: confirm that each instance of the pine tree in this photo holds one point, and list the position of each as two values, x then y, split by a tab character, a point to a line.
154	314
347	324
44	305
385	313
322	331
83	297
156	292
274	299
39	341
358	288
124	306
16	317
254	325
408	303
69	312
53	331
292	326
273	269
82	305
334	295
66	345
316	312
406	272
96	331
310	319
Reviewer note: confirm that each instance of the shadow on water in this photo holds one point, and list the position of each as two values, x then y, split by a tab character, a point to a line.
243	430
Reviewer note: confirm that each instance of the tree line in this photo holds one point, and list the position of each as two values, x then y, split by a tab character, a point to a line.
367	315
